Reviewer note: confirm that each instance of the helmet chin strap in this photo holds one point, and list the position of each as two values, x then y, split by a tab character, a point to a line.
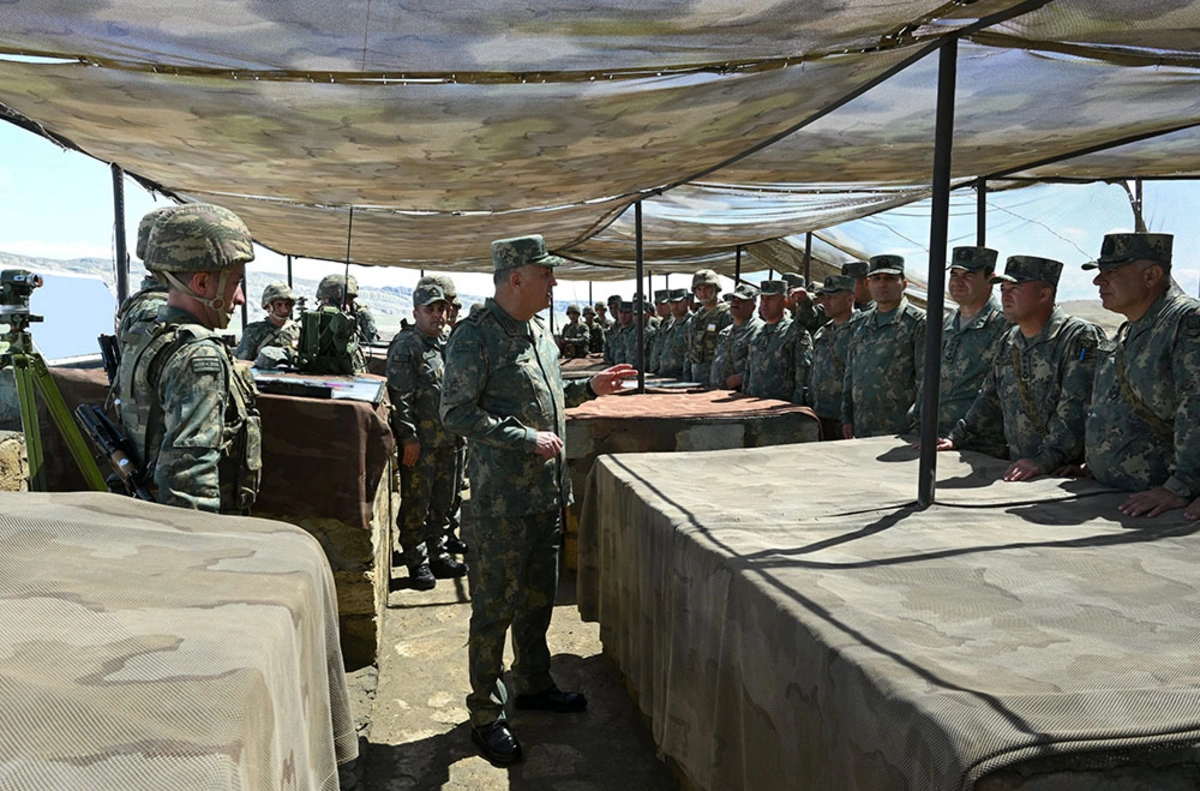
216	305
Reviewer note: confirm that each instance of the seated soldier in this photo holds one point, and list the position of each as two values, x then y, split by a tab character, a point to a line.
277	330
576	336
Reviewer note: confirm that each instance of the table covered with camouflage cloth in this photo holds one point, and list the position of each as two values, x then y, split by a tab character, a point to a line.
787	619
150	647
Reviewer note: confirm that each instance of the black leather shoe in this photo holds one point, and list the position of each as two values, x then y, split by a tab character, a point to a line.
447	568
553	699
497	743
421	577
456	545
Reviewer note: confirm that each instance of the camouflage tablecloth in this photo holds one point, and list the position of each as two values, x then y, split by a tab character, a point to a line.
148	647
788	620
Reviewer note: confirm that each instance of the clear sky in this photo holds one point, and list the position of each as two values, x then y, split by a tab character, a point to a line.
58	204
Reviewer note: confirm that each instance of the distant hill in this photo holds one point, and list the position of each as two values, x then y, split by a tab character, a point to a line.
1092	310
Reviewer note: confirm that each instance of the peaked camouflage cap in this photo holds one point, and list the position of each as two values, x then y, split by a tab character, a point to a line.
444	282
661	296
198	237
855	269
145	226
705	277
973	259
1028	269
276	291
331	287
885	265
745	291
680	294
612	299
770	288
837	283
1120	249
793	280
428	294
522	251
625	307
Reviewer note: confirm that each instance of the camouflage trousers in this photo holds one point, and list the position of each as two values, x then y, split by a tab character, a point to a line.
426	497
454	517
516	563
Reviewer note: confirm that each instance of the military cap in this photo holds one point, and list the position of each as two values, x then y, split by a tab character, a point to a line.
855	268
1120	249
198	237
625	307
612	299
1029	268
727	297
661	296
444	282
679	294
588	310
427	295
331	287
522	250
276	291
770	288
705	277
572	308
793	280
885	265
836	283
973	259
745	291
145	226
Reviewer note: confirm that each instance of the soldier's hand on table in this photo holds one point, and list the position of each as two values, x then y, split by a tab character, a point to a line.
412	452
1152	503
733	382
1193	511
942	444
1023	470
609	380
847	431
548	445
1072	471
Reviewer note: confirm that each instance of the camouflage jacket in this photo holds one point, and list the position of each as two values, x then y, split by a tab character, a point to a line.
778	363
1038	389
258	335
672	357
1147	433
968	351
576	332
703	331
614	344
733	349
596	338
502	385
415	368
654	356
190	413
810	316
883	372
367	330
826	376
138	309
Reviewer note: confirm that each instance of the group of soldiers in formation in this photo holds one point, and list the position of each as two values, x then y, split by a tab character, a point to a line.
1020	379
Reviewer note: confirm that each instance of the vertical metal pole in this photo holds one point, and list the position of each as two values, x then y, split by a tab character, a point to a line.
808	260
289	262
245	304
590	302
981	212
943	144
637	304
737	267
1139	219
118	181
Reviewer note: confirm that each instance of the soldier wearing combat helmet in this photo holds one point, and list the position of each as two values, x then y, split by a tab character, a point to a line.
705	327
152	294
277	330
188	409
575	335
342	291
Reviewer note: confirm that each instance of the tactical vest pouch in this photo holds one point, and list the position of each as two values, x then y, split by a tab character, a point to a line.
328	342
245	438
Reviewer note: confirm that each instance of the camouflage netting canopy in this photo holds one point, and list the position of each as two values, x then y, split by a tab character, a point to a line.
446	127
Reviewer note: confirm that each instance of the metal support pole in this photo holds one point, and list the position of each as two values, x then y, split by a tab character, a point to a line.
737	267
981	212
637	304
245	306
289	262
808	260
1139	219
943	144
118	179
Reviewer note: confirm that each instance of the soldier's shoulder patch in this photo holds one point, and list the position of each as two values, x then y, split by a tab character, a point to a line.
205	365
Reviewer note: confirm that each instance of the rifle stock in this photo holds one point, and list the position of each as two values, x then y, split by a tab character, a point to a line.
114	445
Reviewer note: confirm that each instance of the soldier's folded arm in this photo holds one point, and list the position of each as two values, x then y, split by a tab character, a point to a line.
193	398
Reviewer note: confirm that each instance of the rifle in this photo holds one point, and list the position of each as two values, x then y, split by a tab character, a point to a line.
114	445
110	352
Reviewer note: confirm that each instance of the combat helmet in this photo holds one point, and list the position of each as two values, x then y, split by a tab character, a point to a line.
276	291
331	287
145	227
705	277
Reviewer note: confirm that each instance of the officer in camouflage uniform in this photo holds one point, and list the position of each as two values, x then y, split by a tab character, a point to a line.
596	329
576	335
622	339
887	357
733	349
863	301
662	310
276	330
672	356
705	327
504	392
414	373
339	290
188	408
780	354
614	303
152	295
831	349
1143	430
1040	382
971	338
